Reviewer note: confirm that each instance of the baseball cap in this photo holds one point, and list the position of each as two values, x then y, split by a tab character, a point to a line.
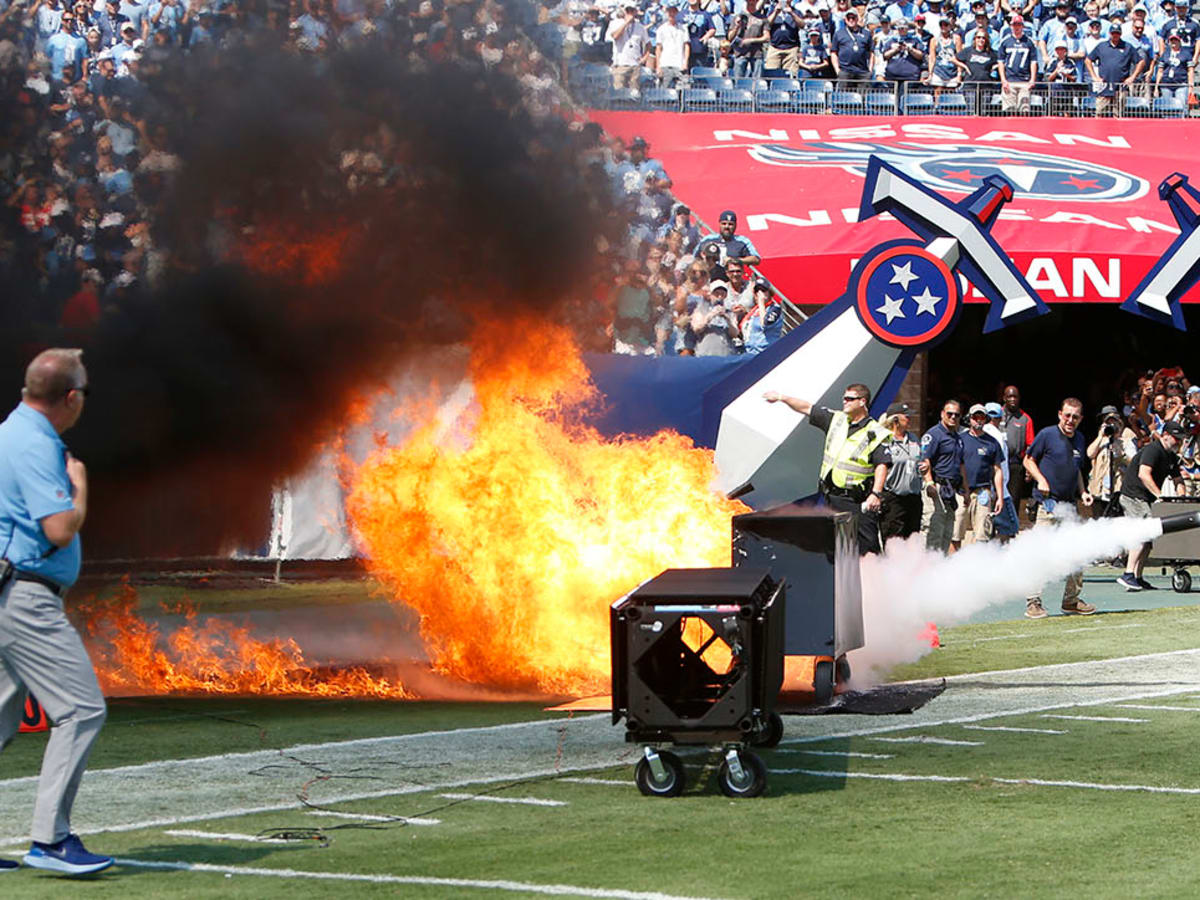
850	13
1058	44
638	141
127	26
1095	22
728	216
1173	428
976	408
1176	37
1071	20
1113	27
899	409
761	284
1195	388
1106	411
712	249
717	283
994	410
919	17
1017	19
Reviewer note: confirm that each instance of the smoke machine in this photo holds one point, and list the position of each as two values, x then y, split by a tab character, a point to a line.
698	654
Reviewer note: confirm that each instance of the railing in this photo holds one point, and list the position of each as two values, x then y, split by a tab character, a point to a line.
706	91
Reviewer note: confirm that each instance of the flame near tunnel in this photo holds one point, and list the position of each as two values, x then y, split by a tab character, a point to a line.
512	530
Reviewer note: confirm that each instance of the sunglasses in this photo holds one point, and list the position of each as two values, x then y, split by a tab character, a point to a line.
950	415
849	398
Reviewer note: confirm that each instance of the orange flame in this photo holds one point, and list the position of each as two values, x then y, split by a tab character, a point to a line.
513	534
308	259
218	657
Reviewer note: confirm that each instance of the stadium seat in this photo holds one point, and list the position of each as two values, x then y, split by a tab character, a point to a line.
881	103
623	98
716	82
647	80
952	105
774	101
735	100
1168	108
793	85
917	104
753	85
703	72
810	101
1037	105
662	98
771	74
846	103
817	84
699	100
1137	107
1087	106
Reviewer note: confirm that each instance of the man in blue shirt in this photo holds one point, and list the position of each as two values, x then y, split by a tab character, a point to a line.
66	49
904	52
852	54
942	469
1016	58
1053	462
43	503
982	460
1114	66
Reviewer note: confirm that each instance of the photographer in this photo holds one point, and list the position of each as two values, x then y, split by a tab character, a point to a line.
1110	453
1145	480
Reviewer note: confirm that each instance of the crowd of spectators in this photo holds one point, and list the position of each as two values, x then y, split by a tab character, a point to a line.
682	294
86	162
1111	48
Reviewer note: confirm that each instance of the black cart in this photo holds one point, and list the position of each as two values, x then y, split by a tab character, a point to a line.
697	659
1179	549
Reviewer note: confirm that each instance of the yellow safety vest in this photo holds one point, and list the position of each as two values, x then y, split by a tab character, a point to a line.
850	458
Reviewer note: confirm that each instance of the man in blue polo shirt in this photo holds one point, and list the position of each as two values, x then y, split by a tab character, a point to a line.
1114	65
43	503
1053	462
982	460
852	54
942	469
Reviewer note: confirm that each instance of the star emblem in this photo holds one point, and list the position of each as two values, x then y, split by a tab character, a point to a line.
891	307
902	275
1081	183
960	175
926	302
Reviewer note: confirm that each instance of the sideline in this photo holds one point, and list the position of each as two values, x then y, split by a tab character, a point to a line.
558	890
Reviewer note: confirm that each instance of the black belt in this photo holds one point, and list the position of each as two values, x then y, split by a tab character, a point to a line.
59	589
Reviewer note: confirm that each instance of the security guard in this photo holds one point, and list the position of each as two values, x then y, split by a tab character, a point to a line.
855	463
43	503
942	451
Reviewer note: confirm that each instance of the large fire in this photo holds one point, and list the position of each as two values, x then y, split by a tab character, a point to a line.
511	533
218	657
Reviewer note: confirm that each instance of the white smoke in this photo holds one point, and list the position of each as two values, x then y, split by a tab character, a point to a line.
908	587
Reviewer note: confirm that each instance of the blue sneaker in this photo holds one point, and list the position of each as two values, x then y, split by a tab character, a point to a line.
7	865
1129	582
67	856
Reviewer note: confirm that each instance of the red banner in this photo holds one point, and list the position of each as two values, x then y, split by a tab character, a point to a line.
1085	225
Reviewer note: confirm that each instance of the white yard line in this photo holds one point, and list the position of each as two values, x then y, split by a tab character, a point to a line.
1097	718
612	782
1028	634
223	836
842	753
521	801
959	779
557	890
1150	706
928	739
365	817
1019	730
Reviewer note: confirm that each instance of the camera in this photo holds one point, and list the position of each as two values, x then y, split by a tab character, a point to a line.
1109	429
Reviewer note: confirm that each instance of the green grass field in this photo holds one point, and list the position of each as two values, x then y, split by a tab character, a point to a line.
1058	762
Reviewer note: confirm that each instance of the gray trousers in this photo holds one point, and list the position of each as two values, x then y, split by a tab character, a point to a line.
41	651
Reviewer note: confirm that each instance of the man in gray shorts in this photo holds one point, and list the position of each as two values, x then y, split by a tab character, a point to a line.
43	502
1141	486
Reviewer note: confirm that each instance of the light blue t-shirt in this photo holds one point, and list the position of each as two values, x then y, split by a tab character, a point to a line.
34	485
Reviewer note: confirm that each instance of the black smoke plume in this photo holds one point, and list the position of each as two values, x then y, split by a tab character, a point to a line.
328	218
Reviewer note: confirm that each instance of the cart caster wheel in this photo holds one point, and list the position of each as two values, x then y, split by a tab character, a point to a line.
771	734
742	774
1182	581
823	677
841	670
672	782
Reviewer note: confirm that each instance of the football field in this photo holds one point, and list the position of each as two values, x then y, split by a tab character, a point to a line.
1053	778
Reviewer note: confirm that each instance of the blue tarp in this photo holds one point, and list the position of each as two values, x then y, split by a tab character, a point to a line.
645	394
